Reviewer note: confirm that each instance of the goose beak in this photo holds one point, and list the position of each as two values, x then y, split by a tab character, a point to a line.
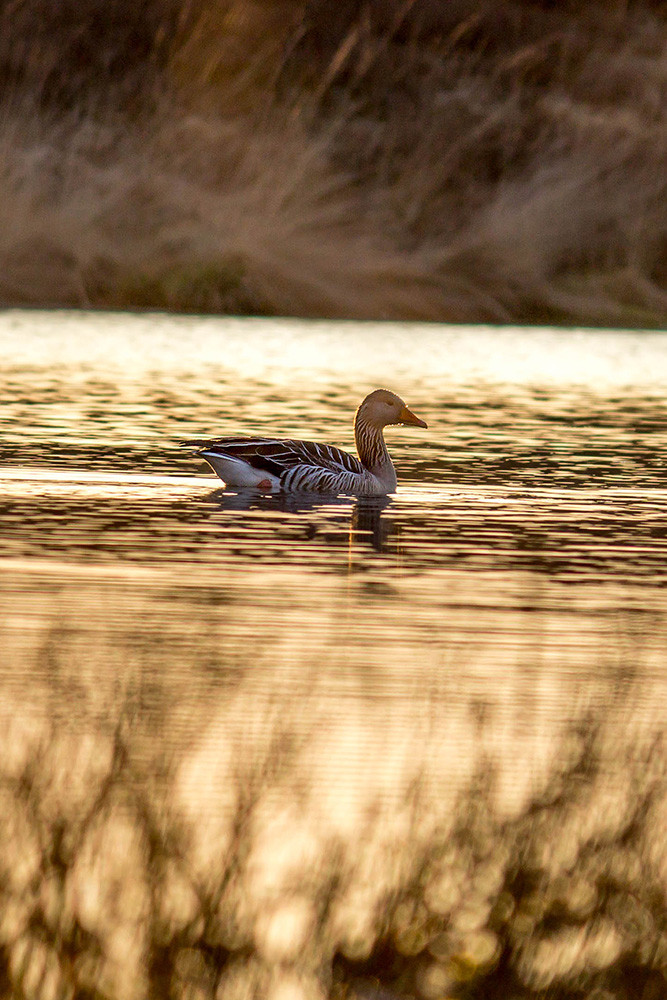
406	416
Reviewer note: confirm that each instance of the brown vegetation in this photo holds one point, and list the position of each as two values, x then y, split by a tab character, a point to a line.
179	825
495	161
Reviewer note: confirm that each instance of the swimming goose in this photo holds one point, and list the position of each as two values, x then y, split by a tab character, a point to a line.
274	464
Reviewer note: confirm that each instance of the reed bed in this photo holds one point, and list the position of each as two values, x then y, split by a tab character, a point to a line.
502	161
186	817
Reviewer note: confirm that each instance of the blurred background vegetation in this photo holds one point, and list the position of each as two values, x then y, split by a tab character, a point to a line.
502	160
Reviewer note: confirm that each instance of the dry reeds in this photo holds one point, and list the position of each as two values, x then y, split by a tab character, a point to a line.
488	162
186	818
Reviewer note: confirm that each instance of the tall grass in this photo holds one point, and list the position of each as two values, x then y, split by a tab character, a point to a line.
183	817
493	162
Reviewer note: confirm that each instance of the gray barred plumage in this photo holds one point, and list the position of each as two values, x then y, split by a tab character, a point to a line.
370	443
272	464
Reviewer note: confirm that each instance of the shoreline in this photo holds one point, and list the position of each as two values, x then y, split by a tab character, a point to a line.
413	170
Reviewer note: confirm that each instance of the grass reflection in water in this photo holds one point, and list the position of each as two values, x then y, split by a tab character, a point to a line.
457	790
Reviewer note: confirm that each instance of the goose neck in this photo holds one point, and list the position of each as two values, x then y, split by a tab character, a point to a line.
370	444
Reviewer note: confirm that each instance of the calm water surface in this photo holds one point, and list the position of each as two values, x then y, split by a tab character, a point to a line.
399	740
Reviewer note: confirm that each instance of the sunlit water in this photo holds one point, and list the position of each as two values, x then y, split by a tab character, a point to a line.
270	743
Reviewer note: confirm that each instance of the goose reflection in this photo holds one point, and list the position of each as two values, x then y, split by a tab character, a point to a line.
368	527
364	515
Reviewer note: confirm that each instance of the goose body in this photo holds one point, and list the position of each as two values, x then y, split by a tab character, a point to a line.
274	464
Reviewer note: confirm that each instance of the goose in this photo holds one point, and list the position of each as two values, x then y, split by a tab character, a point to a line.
275	464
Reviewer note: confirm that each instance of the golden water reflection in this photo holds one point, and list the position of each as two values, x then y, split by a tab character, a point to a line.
191	792
283	747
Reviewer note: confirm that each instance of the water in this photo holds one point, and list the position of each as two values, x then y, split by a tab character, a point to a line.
262	745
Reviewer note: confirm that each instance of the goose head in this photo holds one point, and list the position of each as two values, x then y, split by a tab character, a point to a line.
382	407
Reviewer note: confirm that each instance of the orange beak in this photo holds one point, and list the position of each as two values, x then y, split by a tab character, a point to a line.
406	416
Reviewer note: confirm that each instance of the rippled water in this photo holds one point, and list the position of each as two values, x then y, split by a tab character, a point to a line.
312	743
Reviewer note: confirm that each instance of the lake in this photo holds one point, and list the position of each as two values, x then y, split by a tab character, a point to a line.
290	747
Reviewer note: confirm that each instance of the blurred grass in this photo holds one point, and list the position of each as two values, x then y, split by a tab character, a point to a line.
186	819
495	161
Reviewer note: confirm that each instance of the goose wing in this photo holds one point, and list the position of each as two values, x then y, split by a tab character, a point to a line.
280	455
